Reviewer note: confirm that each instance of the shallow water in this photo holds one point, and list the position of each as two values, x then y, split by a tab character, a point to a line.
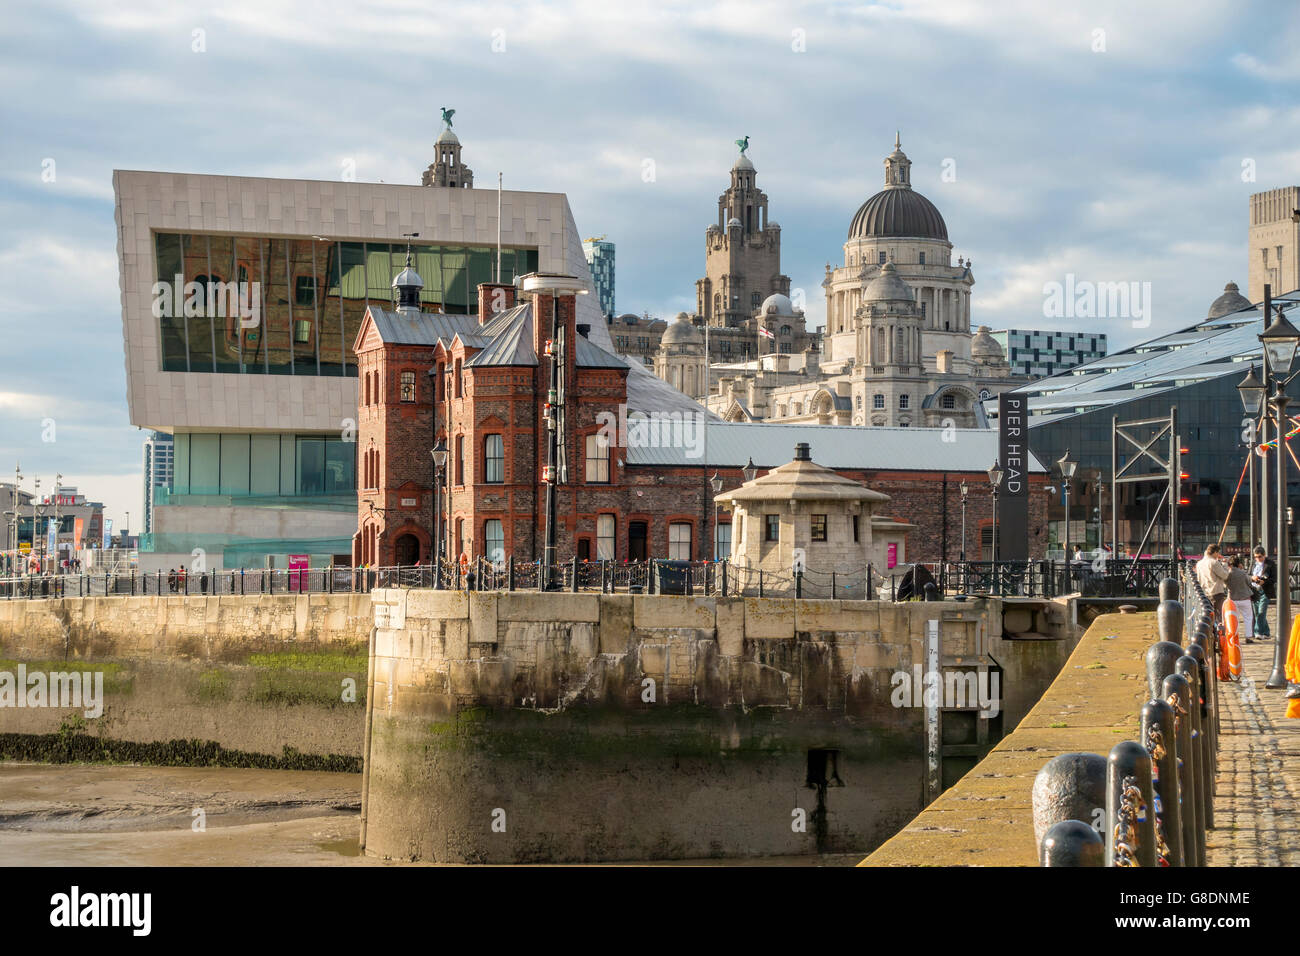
115	815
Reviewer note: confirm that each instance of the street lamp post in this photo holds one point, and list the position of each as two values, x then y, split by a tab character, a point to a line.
1067	468
995	479
439	453
964	492
1280	340
36	499
1252	391
58	485
750	471
716	483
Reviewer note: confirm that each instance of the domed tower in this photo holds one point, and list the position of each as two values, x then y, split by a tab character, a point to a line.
447	169
742	252
1231	301
889	325
680	358
899	225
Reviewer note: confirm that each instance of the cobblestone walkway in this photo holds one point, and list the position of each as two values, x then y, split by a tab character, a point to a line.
1258	788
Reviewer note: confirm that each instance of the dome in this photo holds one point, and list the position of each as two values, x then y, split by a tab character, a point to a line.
733	221
742	162
887	287
777	304
898	212
681	332
408	277
985	347
1231	301
447	137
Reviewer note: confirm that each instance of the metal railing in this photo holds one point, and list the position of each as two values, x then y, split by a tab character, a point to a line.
1041	578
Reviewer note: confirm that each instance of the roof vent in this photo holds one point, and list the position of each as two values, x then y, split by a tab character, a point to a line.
802	452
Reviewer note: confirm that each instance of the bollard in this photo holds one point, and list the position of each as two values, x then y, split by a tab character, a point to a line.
1130	802
1160	664
1158	738
1207	756
1188	668
1070	786
1072	843
931	591
1176	692
1209	647
1169	590
1169	621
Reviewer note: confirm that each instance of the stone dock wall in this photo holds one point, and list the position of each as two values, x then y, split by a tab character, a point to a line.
263	674
513	727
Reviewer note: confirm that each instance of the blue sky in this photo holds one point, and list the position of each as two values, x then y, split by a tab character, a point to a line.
1115	164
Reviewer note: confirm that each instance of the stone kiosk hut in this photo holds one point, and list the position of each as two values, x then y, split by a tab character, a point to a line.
805	514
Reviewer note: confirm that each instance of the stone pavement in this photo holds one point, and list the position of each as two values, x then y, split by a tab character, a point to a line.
1258	788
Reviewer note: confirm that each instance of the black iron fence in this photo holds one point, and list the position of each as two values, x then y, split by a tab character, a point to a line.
1115	578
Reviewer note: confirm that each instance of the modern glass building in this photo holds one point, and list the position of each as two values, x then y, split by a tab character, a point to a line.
241	301
600	260
159	459
1195	371
1038	353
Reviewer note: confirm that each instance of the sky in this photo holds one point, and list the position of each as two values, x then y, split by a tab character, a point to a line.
1111	142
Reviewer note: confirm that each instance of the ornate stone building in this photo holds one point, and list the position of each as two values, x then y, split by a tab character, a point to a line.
897	349
447	169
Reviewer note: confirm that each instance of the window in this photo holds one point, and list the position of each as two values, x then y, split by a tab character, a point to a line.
679	541
460	459
605	537
722	540
458	381
772	527
597	459
877	401
922	259
302	330
367	388
408	386
796	408
494	460
859	401
754	300
855	527
882	259
304	291
494	540
819	527
949	400
903	401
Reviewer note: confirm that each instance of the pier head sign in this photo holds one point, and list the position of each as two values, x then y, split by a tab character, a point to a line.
1013	496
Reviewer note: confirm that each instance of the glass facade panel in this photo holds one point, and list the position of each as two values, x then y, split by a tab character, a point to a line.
313	296
234	464
264	465
205	464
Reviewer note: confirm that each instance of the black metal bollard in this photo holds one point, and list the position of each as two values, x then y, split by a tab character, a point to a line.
1177	694
1169	590
1130	802
1210	649
931	591
1070	786
1188	668
1158	738
1072	843
1170	621
1160	664
1206	729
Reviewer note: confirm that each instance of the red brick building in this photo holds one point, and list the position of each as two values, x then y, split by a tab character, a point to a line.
639	457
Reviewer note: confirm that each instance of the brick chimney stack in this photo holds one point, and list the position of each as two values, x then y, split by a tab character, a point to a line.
494	297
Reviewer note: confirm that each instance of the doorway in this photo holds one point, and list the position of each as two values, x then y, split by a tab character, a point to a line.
636	541
406	550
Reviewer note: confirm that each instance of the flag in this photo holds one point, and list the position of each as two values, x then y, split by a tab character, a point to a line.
108	531
766	333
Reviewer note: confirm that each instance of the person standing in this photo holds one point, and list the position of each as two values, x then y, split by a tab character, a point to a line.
1242	595
1212	575
1264	576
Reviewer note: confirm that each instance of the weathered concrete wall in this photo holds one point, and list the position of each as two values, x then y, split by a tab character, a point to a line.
564	727
257	673
987	818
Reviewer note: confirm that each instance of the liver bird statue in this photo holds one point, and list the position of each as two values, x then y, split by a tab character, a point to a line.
447	115
743	144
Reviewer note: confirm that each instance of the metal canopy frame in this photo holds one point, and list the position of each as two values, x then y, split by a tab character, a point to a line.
1170	469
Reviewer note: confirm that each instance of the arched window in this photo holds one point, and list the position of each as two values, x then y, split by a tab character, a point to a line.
367	400
878	400
949	400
